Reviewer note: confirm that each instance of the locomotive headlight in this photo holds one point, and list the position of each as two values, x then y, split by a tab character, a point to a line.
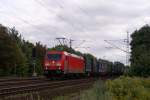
46	67
59	67
47	64
58	64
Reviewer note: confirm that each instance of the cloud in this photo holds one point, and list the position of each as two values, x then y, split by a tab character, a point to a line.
90	20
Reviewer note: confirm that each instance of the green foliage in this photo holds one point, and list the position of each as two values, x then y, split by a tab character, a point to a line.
88	55
11	55
140	55
126	88
123	88
16	54
40	53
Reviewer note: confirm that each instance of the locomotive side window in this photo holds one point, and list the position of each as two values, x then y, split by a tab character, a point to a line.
54	56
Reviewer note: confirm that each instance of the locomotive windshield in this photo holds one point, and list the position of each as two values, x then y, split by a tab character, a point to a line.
54	56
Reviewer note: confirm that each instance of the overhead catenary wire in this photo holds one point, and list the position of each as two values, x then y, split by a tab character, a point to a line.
59	16
25	21
113	45
42	4
127	50
74	26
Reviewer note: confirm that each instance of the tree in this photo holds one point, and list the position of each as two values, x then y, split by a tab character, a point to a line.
140	55
40	51
11	55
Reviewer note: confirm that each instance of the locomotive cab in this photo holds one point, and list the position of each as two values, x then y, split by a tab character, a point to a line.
53	64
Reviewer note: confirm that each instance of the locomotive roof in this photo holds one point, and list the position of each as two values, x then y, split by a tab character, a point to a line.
73	55
66	53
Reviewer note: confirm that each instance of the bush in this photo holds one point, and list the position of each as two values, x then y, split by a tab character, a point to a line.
126	88
142	71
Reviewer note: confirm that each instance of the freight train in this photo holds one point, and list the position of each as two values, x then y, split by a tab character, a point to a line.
62	63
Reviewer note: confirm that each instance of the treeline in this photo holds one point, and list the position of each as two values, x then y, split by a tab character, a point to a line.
16	54
140	52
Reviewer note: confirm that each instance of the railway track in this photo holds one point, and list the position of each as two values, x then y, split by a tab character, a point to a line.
19	79
21	82
26	86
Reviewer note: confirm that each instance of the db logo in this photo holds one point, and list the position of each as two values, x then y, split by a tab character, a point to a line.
53	62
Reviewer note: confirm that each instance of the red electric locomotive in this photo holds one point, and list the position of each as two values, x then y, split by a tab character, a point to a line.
58	63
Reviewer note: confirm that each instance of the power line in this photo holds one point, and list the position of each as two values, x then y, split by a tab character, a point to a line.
83	41
113	45
127	51
72	24
61	40
50	11
42	4
27	22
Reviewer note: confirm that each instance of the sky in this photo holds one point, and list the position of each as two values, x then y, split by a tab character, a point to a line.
88	22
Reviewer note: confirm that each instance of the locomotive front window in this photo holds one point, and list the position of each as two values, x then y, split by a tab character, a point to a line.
54	56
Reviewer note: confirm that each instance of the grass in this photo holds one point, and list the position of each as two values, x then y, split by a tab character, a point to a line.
95	93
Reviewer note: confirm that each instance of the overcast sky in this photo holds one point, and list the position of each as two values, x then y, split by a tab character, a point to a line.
90	20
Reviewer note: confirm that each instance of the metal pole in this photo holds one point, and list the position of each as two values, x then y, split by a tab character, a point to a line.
34	70
128	54
15	70
70	43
